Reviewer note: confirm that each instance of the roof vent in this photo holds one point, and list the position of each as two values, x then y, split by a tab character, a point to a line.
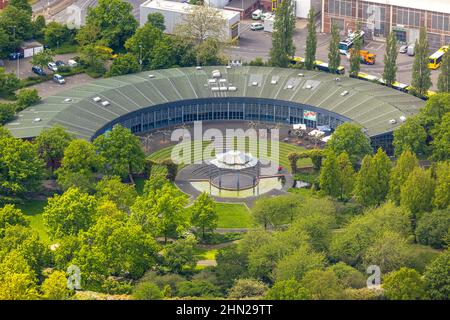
308	86
223	80
97	99
402	118
301	75
392	121
232	89
254	83
344	93
273	82
290	86
337	79
228	67
105	103
214	88
198	68
67	100
216	74
211	80
151	76
223	88
37	120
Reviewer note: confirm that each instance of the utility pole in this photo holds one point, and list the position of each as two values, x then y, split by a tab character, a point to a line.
17	54
140	57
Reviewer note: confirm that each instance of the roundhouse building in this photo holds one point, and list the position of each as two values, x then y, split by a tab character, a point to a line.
161	98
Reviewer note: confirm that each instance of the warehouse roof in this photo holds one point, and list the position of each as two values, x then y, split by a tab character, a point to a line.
428	5
369	104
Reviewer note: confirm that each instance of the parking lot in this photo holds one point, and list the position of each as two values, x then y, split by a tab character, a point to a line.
254	44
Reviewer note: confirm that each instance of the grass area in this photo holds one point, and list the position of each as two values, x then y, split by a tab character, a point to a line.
233	215
284	150
66	48
33	210
421	256
205	254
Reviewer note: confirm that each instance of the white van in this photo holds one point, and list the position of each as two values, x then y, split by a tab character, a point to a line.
256	15
72	63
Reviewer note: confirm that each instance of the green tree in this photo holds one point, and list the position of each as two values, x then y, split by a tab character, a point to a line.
112	189
282	36
231	265
208	52
442	191
27	97
55	286
17	24
346	176
287	290
8	83
115	21
180	255
78	165
350	138
147	291
433	227
124	64
355	57
56	34
7	112
122	152
404	284
42	58
21	170
22	5
247	288
329	176
444	77
204	215
388	251
322	285
405	164
436	277
196	288
421	80
143	42
390	60
17	280
311	40
38	27
348	277
410	136
417	193
9	215
372	180
441	139
156	19
269	212
95	56
334	56
51	144
69	213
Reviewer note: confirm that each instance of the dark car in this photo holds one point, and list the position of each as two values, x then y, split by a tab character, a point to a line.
38	71
15	55
60	63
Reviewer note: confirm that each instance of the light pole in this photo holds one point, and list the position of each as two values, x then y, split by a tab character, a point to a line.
140	57
16	53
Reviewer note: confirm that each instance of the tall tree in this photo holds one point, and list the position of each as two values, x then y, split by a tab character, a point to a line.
421	76
156	19
406	163
282	37
329	175
21	4
355	58
311	40
143	42
441	139
417	193
51	144
346	176
55	286
372	182
444	77
404	284
204	215
410	136
442	192
436	277
112	189
115	21
390	60
350	138
334	56
122	152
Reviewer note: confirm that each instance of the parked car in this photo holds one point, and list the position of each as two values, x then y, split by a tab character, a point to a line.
60	63
15	55
266	15
59	79
52	66
72	63
256	26
403	48
256	15
38	71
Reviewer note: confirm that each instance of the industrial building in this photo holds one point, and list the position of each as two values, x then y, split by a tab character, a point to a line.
302	7
174	12
379	17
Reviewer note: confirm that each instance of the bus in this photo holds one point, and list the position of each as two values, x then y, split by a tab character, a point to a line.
347	44
367	77
319	65
435	59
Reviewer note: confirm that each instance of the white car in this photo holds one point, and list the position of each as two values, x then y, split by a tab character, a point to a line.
256	15
256	26
266	15
72	63
59	79
52	66
403	48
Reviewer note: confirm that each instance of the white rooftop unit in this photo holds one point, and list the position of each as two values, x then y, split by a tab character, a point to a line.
232	89
37	120
216	74
174	13
344	93
151	76
105	103
254	83
290	86
97	99
392	121
402	118
273	82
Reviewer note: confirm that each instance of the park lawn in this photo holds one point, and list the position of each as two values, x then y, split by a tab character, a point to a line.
33	209
233	215
205	254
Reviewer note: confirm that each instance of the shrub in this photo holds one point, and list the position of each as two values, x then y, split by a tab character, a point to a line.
27	97
433	227
147	291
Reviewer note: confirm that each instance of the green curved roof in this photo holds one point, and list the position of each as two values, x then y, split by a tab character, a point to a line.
369	104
